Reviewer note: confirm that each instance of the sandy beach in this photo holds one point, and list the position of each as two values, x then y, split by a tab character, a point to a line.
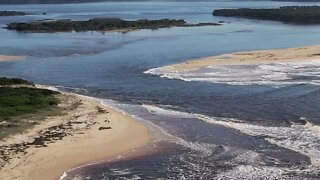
310	53
10	58
87	133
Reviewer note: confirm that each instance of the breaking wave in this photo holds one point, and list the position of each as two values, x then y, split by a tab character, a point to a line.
251	74
246	164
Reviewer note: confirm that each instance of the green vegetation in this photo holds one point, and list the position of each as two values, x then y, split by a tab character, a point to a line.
23	100
12	13
288	14
19	100
14	81
98	24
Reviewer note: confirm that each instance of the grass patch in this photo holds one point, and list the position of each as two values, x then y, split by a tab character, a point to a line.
23	100
23	107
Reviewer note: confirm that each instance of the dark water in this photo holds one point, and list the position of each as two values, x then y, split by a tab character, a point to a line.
111	66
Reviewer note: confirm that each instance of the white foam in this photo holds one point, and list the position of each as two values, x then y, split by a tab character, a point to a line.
110	104
77	90
253	172
120	171
164	112
158	133
204	148
304	139
246	164
260	74
64	175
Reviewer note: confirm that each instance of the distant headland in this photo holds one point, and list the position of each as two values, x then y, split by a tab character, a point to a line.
287	14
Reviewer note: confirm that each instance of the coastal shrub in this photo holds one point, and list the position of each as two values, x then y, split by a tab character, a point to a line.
19	101
289	14
12	13
97	24
14	81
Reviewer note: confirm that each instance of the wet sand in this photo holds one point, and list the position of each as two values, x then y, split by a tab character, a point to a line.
311	53
10	58
89	133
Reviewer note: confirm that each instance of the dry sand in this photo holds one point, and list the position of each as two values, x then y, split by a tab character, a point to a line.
11	58
250	57
84	142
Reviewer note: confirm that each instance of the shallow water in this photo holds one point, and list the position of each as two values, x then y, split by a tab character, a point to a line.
224	130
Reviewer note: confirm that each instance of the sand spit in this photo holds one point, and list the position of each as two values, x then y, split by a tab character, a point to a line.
11	58
88	133
250	57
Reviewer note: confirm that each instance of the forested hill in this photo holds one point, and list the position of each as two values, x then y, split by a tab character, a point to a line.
287	14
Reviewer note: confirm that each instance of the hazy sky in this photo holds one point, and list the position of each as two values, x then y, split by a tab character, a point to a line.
51	1
44	1
73	1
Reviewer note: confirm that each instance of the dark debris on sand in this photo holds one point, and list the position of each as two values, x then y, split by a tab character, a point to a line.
45	137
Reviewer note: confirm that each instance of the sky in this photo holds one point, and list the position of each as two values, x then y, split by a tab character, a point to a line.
73	1
43	1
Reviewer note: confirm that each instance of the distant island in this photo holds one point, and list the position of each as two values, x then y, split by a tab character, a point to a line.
99	24
12	13
287	14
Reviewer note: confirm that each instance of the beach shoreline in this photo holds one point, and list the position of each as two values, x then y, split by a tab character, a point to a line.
93	133
4	58
300	54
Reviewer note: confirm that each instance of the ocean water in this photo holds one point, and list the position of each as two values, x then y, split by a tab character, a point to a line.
261	124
